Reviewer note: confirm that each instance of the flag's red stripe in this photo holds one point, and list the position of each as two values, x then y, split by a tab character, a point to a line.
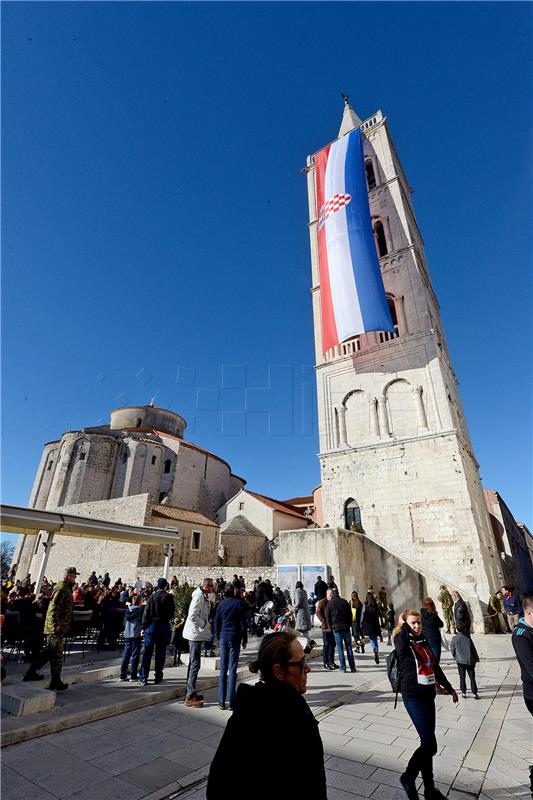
329	328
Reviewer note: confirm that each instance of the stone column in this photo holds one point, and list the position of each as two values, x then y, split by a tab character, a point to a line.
420	410
374	419
169	551
383	417
343	436
47	546
402	321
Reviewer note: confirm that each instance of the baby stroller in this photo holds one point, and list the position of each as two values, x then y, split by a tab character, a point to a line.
263	619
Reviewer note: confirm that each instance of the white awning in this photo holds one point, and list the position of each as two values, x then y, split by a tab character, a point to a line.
18	519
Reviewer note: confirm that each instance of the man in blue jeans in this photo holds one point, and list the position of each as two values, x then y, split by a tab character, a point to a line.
231	626
197	630
339	620
159	611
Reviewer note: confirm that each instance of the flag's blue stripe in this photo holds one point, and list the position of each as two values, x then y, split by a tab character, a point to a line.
368	281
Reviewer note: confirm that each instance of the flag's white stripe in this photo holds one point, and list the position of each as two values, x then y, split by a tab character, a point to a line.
348	317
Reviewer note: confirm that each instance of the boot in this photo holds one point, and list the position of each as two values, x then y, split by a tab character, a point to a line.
433	794
57	685
376	658
32	675
409	786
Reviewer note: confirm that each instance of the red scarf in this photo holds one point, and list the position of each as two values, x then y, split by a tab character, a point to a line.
425	661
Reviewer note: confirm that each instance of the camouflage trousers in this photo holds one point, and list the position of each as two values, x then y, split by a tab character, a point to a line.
449	622
53	652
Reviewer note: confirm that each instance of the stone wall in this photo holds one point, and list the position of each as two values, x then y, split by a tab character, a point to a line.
195	575
357	561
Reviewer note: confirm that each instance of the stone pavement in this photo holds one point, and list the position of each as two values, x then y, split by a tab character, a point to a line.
164	751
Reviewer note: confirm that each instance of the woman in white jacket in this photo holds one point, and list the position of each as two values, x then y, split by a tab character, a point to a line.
197	630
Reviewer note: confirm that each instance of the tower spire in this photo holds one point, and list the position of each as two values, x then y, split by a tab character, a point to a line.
350	120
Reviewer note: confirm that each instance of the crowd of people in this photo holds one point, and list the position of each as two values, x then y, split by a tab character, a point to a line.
222	614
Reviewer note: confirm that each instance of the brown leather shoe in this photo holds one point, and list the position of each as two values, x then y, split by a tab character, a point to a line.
194	702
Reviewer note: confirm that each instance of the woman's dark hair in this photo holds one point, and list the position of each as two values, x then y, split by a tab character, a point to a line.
371	604
356	603
429	605
231	591
298	585
274	649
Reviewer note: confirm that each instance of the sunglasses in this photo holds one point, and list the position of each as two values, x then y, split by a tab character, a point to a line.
300	664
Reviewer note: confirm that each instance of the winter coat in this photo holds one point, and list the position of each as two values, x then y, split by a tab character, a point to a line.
463	650
321	588
410	685
159	609
431	625
275	707
197	627
301	610
231	619
133	622
371	626
461	615
339	615
321	614
60	609
312	604
522	640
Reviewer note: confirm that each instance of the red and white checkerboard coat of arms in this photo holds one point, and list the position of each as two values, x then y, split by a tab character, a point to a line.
333	205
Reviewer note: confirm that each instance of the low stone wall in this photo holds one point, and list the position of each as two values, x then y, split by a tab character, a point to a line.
195	575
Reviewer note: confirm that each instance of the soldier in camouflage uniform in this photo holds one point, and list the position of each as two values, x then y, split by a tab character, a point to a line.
57	624
445	599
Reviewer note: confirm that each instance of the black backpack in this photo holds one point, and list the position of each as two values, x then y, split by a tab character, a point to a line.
393	673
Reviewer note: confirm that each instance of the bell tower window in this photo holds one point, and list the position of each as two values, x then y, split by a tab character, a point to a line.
168	464
381	242
370	174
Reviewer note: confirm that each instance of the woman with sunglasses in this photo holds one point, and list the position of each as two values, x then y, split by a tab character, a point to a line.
260	712
418	673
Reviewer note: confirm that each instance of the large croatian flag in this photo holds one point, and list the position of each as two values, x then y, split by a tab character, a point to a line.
352	295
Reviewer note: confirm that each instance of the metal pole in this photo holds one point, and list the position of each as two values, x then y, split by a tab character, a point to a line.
47	545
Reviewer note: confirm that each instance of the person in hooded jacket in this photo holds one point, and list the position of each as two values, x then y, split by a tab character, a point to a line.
371	624
418	672
276	703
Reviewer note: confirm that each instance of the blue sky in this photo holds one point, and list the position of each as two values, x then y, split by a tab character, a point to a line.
154	215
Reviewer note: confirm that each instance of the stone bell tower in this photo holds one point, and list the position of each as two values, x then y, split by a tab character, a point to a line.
395	453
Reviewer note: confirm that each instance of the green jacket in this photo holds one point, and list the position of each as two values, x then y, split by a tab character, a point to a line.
60	609
445	599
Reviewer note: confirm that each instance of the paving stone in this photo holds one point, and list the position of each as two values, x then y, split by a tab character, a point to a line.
16	787
388	777
91	748
350	767
193	755
350	783
116	788
155	773
385	792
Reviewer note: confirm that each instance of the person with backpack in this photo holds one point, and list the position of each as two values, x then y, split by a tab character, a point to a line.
418	672
339	620
464	651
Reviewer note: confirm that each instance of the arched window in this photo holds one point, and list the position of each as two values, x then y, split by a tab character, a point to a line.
139	423
168	464
370	174
352	515
381	242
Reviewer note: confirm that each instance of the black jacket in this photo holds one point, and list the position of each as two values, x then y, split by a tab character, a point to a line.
431	625
159	609
274	707
339	615
371	625
461	615
522	640
408	667
321	588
